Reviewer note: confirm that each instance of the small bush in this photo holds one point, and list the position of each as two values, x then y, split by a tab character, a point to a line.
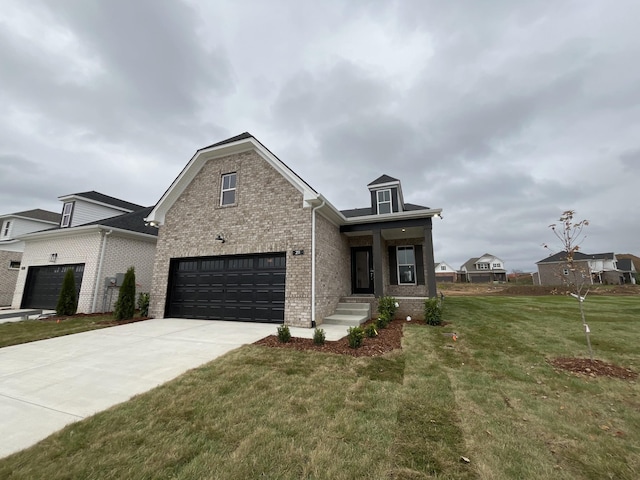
382	321
143	304
433	311
370	330
387	307
284	334
126	304
318	336
355	337
67	300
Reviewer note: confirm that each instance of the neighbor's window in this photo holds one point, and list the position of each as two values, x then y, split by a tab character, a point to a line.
384	201
6	228
496	265
228	194
443	267
483	266
13	265
66	214
565	271
406	266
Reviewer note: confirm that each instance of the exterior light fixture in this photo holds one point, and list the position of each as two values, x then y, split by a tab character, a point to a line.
220	238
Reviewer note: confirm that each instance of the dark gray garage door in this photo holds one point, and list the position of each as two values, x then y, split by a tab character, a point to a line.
247	288
44	284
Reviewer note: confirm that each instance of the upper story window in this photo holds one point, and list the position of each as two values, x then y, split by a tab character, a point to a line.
6	228
228	193
496	265
406	266
443	267
483	266
67	209
384	201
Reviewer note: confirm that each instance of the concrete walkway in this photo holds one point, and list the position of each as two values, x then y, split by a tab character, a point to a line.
48	384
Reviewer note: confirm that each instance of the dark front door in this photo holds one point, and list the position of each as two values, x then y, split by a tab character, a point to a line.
248	288
361	270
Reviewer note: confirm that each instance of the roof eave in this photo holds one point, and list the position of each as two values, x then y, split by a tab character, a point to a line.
387	217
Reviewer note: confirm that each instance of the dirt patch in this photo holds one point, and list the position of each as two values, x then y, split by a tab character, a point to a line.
463	289
62	318
595	368
388	339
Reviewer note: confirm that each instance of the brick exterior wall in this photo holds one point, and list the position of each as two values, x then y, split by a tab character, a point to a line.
120	253
552	273
268	217
333	267
8	276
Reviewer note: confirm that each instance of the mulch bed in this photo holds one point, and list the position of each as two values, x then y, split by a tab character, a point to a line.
388	339
595	368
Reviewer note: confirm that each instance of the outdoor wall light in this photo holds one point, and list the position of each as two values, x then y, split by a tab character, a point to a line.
220	238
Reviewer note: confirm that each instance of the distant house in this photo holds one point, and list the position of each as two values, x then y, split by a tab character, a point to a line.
598	268
12	226
629	266
97	237
484	269
445	273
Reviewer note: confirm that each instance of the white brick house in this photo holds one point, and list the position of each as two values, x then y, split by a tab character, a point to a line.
242	237
112	238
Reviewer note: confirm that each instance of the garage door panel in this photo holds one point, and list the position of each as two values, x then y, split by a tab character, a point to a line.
43	284
239	288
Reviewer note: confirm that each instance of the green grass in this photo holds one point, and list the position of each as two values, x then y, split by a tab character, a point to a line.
491	396
14	333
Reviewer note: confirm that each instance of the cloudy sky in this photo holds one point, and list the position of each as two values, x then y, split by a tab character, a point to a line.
502	113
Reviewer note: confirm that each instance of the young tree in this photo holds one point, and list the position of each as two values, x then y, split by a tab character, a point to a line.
577	276
68	299
126	303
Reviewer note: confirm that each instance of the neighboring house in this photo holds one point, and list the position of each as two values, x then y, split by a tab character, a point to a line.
242	237
445	273
484	269
12	226
629	265
595	268
99	237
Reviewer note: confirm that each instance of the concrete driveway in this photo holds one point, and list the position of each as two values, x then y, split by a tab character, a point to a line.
48	384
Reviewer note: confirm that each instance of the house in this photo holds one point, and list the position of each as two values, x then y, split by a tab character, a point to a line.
484	269
445	273
242	237
99	237
12	226
599	268
629	266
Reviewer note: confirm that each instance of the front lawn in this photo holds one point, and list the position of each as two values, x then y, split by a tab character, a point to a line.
491	397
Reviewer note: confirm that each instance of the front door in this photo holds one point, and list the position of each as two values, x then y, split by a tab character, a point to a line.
362	270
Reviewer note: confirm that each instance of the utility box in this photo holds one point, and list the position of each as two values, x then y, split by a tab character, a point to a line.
119	279
110	282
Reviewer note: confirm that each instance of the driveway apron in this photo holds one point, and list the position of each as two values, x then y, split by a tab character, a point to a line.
48	384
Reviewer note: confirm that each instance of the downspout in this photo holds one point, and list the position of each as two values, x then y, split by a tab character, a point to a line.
313	263
99	274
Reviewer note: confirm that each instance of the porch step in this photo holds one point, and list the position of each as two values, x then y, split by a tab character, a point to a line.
349	314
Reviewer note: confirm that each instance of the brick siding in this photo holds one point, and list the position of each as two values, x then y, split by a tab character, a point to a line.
8	276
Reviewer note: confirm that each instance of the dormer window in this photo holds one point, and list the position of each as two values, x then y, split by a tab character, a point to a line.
483	266
384	201
67	209
228	193
6	229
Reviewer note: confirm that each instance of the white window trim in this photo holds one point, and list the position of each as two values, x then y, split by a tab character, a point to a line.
66	215
565	271
6	228
234	189
483	266
378	192
14	268
415	274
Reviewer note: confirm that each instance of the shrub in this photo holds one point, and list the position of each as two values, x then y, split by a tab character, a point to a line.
68	299
382	321
143	304
284	334
433	311
355	337
126	303
387	307
370	330
318	336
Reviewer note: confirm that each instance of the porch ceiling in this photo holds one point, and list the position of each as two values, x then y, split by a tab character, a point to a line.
391	233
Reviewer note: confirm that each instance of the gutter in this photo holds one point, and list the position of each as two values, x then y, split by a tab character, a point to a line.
313	260
99	274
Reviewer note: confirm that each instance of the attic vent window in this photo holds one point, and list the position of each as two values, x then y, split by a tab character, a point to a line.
228	193
67	209
384	201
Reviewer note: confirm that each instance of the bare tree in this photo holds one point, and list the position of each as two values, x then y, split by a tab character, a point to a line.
575	275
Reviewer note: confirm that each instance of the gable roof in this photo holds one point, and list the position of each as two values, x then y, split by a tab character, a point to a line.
98	197
577	257
383	179
469	265
37	214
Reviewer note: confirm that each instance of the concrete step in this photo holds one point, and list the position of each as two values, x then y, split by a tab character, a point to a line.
347	320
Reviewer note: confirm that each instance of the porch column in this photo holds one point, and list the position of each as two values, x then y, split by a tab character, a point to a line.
378	284
429	265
